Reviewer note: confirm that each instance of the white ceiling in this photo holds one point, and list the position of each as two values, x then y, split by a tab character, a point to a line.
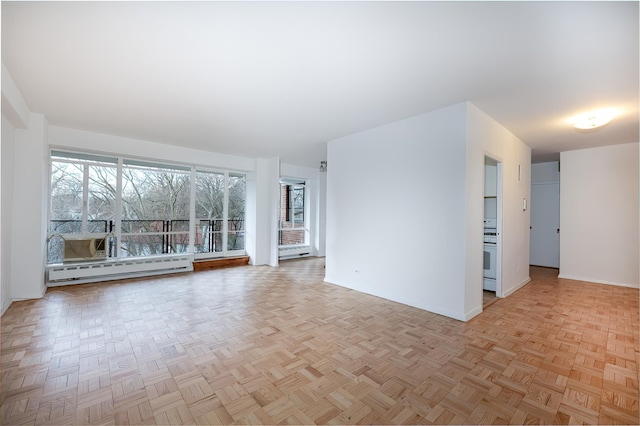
281	79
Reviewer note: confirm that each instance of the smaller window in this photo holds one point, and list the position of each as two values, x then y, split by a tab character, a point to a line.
295	204
292	213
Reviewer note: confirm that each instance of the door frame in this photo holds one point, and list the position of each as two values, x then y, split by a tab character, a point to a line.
498	220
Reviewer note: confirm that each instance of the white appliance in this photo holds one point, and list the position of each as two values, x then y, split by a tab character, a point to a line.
489	254
490	225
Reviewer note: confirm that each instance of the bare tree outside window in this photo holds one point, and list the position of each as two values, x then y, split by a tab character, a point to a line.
66	205
237	197
209	212
155	211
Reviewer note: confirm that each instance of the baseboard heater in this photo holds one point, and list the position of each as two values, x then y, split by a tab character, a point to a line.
85	272
293	251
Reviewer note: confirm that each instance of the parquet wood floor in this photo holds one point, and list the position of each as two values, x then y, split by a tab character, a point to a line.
261	345
488	298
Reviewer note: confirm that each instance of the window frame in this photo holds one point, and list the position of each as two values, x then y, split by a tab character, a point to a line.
293	184
224	229
85	162
119	163
168	236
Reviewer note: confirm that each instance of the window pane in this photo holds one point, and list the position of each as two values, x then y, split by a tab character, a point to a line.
154	200
208	236
141	245
153	196
178	243
237	194
298	198
179	226
153	244
143	226
235	241
209	212
65	227
236	225
55	250
66	197
102	198
237	188
209	195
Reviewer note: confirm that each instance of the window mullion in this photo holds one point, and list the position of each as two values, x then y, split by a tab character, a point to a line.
118	207
192	211
225	214
85	199
290	198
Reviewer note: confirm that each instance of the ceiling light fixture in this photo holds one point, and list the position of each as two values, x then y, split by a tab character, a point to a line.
593	119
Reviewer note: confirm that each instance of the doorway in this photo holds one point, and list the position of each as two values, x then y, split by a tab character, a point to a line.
492	244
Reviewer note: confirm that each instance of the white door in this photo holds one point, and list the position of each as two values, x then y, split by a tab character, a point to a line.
545	225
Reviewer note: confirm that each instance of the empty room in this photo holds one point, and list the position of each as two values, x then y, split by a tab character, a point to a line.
319	213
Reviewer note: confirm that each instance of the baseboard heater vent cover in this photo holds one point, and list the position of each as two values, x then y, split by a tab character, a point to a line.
78	273
294	251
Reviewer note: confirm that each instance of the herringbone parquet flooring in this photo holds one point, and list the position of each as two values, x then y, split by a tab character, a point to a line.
261	345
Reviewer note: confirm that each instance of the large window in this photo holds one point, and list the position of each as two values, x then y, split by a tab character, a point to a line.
145	208
292	214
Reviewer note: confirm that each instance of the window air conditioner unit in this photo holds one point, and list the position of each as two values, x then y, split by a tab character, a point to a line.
83	249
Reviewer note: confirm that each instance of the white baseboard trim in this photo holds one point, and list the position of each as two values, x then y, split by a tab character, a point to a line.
22	297
5	306
433	309
472	313
510	291
591	280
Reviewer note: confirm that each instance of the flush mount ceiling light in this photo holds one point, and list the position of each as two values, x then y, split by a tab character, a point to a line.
593	119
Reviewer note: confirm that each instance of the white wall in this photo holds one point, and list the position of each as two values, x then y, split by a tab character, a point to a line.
488	137
396	211
6	222
599	215
321	235
405	207
14	108
29	209
16	122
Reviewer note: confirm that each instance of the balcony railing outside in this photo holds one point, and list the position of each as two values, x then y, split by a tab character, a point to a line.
152	237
